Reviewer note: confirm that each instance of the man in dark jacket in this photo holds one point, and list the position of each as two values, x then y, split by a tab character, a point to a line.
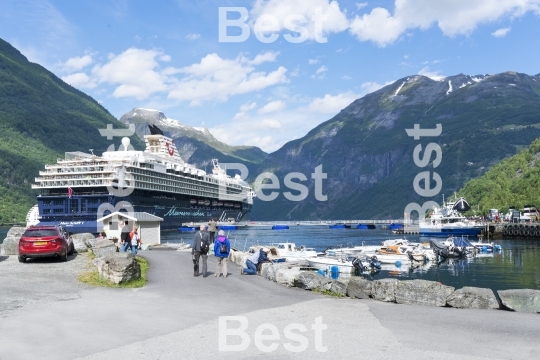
258	256
125	241
201	244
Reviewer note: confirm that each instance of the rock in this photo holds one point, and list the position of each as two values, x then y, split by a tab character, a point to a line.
473	298
384	290
359	287
10	246
82	241
339	286
269	271
422	292
521	300
118	267
103	247
309	280
16	231
286	276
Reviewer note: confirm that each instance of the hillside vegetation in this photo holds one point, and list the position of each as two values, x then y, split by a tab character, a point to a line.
513	182
41	118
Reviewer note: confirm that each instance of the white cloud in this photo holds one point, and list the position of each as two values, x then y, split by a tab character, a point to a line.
136	71
79	80
77	63
361	5
336	19
192	37
320	73
330	104
215	78
248	106
501	32
313	61
434	75
269	56
346	77
272	106
452	17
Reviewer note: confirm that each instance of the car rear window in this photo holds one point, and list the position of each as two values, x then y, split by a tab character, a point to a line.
40	233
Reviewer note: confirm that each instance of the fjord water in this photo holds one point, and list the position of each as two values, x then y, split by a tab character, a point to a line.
3	233
517	266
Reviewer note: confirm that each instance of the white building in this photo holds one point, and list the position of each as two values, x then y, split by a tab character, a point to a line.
149	225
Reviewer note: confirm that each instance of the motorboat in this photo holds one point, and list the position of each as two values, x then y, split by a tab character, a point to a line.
290	252
447	221
393	253
453	247
342	264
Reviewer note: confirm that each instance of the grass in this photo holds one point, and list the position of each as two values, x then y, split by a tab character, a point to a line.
328	292
92	277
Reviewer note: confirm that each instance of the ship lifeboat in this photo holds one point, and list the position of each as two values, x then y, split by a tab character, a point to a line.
214	203
201	202
193	201
228	205
237	206
206	202
219	203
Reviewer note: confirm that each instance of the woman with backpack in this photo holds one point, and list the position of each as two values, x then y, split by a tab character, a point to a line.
222	248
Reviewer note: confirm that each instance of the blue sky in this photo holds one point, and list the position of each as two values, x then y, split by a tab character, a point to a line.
167	55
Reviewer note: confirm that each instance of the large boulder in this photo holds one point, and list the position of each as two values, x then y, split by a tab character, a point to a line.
16	231
310	280
422	292
82	242
10	246
473	298
118	267
521	300
359	287
384	290
103	247
339	286
286	276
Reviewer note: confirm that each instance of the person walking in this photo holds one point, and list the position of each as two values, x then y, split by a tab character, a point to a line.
125	240
135	238
201	245
259	256
222	248
212	228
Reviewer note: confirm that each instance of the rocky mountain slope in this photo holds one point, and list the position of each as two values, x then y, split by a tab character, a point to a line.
197	146
368	156
41	117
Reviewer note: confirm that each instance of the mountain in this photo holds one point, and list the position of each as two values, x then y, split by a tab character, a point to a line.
368	156
513	182
196	146
41	117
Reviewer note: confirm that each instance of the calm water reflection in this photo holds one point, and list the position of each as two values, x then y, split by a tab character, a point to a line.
516	266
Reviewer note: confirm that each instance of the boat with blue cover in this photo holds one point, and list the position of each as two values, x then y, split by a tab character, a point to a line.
394	226
339	226
280	227
365	226
187	228
227	227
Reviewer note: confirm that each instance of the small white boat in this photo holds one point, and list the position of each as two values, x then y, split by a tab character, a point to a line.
290	252
344	265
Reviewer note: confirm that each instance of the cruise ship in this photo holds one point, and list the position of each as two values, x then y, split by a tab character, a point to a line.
78	190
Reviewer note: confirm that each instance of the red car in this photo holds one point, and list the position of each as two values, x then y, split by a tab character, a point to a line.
45	241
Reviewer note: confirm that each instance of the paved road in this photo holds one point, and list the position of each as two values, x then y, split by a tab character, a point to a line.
176	316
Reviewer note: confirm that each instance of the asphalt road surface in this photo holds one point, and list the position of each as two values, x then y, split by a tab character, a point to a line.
178	316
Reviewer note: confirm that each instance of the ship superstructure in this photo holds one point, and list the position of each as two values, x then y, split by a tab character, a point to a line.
84	187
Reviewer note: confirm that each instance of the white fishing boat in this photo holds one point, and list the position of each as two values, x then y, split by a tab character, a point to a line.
448	221
343	264
290	252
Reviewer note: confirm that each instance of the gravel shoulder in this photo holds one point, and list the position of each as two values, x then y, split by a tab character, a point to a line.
40	281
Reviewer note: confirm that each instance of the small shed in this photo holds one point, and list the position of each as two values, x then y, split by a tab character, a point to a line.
149	225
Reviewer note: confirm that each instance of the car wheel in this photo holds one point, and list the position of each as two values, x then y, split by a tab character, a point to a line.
64	258
22	259
71	249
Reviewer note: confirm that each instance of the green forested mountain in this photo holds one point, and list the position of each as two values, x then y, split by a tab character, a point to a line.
513	182
41	117
368	156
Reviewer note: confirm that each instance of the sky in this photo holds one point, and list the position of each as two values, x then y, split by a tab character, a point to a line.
265	72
